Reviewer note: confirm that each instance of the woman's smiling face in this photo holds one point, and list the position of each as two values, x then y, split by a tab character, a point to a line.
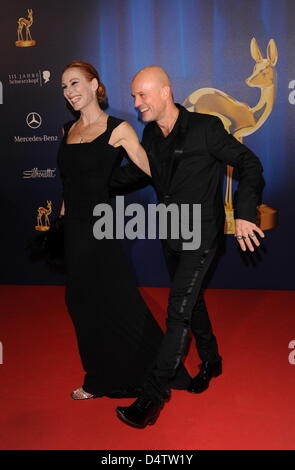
77	89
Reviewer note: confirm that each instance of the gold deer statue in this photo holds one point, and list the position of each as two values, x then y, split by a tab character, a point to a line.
27	23
46	213
241	120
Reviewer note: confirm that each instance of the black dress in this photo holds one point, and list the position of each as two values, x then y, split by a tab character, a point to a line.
117	335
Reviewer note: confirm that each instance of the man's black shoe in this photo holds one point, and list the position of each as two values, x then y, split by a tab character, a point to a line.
202	380
140	414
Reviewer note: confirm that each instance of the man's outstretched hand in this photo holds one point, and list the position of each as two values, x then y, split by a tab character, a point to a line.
246	234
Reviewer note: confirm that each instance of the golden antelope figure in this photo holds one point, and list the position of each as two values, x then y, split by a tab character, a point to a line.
241	120
45	212
27	23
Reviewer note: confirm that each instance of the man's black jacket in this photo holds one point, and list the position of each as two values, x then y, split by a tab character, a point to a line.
192	175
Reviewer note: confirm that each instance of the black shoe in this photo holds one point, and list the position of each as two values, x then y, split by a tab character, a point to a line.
202	380
141	413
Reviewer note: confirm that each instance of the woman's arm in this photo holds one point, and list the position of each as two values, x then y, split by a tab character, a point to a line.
62	209
125	135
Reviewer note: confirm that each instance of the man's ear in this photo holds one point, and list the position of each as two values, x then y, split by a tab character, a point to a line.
166	92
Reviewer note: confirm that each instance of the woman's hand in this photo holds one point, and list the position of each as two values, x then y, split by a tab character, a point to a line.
124	135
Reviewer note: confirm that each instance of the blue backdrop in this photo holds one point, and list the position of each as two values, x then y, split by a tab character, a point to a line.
201	43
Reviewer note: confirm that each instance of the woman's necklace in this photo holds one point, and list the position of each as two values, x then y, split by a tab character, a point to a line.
81	136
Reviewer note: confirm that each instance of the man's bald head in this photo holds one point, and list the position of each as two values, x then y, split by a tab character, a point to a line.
151	90
155	74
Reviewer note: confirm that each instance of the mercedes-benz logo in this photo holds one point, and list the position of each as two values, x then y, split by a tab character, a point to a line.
34	120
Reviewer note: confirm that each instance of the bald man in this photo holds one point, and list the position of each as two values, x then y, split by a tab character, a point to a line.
186	153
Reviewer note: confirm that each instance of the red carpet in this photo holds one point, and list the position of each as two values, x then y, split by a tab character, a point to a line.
251	406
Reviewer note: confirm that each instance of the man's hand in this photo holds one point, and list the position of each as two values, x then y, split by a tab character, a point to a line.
245	234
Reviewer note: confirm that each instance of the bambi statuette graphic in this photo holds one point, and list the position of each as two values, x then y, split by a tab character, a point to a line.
21	24
42	211
241	120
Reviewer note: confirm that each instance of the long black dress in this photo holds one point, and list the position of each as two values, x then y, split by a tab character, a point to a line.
118	337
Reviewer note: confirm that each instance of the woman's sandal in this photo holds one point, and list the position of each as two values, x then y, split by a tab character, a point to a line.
80	394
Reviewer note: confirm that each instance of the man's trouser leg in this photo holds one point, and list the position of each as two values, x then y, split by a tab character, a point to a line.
202	330
190	270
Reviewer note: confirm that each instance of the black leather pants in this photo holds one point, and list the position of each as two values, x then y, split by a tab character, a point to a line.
186	309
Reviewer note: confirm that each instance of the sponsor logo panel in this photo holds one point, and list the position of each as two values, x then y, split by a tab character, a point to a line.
37	77
39	173
34	121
